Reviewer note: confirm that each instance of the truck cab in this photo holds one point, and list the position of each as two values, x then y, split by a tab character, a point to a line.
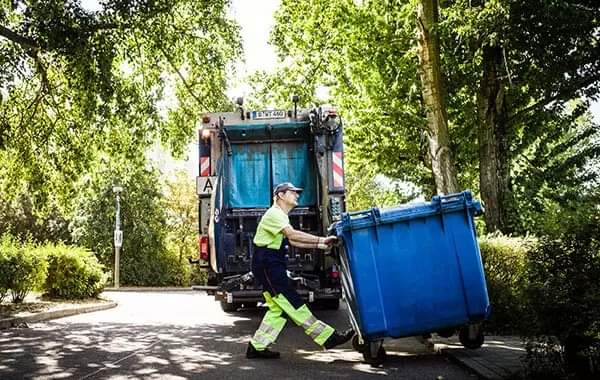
243	155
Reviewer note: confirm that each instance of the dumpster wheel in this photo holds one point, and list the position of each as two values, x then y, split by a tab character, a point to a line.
356	345
471	336
373	355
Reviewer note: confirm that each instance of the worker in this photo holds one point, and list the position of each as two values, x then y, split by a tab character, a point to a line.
269	268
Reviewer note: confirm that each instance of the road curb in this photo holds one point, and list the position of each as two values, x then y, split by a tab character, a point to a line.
483	368
149	289
53	314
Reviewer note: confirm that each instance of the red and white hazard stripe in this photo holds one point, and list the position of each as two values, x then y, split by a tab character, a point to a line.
204	166
338	169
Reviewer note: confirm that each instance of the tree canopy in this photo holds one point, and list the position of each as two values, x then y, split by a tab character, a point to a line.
511	71
76	85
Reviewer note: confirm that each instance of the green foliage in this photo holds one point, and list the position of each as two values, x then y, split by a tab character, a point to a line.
563	276
556	177
504	260
4	276
144	257
73	273
177	272
75	82
182	227
19	218
365	190
23	268
364	53
198	276
182	216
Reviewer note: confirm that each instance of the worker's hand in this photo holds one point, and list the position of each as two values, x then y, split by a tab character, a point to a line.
325	243
330	240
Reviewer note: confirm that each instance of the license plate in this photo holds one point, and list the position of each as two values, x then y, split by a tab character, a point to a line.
274	114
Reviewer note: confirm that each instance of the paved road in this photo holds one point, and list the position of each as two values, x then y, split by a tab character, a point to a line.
185	335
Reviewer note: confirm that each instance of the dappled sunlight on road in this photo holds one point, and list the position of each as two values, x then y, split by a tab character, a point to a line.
330	356
187	336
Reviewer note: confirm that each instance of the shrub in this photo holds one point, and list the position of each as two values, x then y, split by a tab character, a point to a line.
544	359
563	291
23	268
504	259
177	271
563	275
73	273
198	276
3	275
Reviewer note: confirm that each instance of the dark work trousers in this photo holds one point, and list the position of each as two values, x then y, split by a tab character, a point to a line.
269	268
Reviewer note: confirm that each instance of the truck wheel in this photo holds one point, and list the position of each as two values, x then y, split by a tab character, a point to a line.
230	307
471	337
377	359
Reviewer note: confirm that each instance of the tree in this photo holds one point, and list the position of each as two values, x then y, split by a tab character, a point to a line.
365	190
428	48
530	59
72	79
19	219
511	68
365	55
145	259
182	215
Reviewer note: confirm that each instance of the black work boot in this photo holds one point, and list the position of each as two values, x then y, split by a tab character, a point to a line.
338	338
253	353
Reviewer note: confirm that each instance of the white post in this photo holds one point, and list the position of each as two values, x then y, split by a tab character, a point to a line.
118	234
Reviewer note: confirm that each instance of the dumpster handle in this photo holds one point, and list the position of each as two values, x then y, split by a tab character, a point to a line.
438	200
347	216
376	216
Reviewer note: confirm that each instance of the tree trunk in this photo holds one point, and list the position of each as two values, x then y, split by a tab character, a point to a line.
493	142
442	164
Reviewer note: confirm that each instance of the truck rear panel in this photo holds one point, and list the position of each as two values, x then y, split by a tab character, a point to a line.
241	160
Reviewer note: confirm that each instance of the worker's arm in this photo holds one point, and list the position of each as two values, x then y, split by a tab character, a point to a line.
298	244
305	240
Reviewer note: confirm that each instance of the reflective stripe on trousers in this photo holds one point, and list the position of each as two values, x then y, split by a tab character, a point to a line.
273	322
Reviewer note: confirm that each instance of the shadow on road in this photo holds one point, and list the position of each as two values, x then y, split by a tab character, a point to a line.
206	350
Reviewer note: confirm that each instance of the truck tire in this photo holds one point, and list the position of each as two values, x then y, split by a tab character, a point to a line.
230	307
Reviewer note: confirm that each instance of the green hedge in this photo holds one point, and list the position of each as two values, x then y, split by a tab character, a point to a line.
22	268
563	277
548	290
504	260
73	273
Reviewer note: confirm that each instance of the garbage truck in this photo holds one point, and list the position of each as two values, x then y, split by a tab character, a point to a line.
243	155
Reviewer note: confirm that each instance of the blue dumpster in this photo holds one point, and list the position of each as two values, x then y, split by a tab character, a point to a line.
413	270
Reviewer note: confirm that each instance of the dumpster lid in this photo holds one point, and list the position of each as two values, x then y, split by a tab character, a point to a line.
437	205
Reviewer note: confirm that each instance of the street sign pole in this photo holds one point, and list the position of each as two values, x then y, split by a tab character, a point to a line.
118	237
118	234
117	267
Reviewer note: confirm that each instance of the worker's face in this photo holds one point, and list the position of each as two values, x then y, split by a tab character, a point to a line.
290	197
